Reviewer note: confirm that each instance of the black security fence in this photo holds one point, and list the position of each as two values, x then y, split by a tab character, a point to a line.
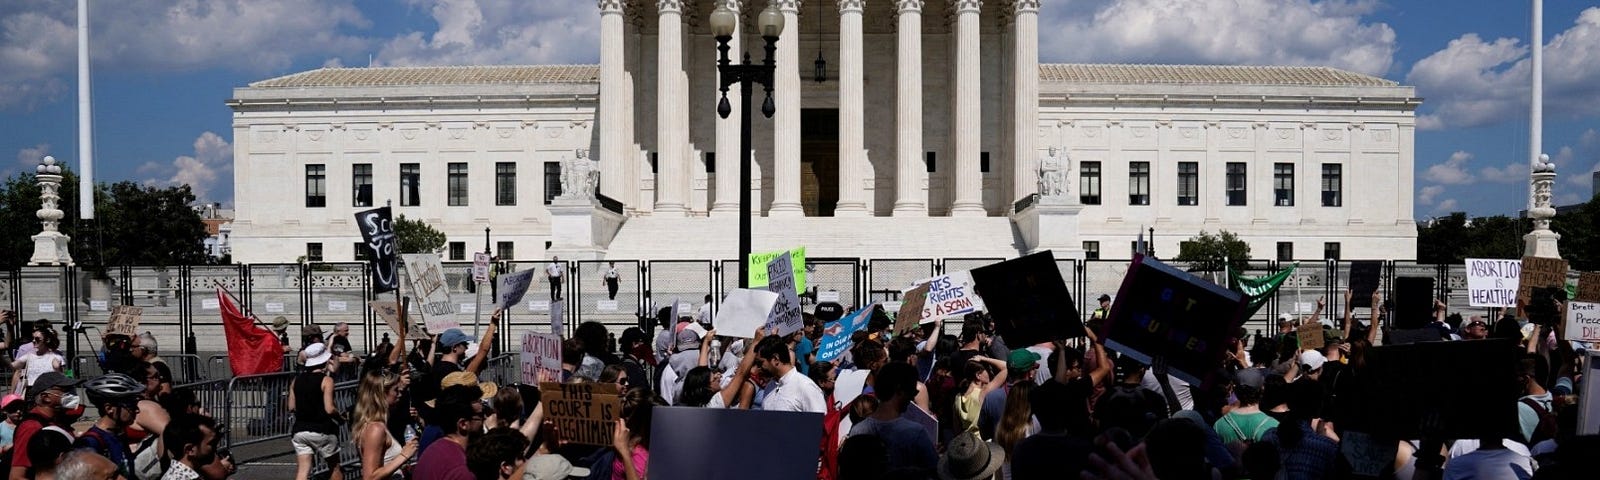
181	306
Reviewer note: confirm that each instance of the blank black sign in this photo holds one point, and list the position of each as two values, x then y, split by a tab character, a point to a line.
1363	281
1028	300
692	443
1468	387
1413	302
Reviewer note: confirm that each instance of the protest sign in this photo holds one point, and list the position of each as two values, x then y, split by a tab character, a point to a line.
1589	399
1540	272
1588	287
1469	389
743	311
797	261
848	385
1492	282
836	335
433	298
950	296
1413	302
691	443
785	314
929	424
1311	335
511	287
124	320
910	313
1165	312
584	413
1364	278
1367	456
377	235
480	267
1028	300
1583	321
540	358
558	317
1409	336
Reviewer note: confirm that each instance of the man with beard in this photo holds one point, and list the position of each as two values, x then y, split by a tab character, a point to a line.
460	416
191	440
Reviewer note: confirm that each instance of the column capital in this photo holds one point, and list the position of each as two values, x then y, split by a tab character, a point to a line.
608	7
1026	6
664	7
908	6
967	6
851	6
788	6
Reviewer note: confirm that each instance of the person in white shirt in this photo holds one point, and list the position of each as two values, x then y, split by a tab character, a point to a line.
705	312
553	271
612	281
793	392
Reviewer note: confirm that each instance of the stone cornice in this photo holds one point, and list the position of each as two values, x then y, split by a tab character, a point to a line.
788	6
611	6
664	7
851	6
1026	6
967	6
908	6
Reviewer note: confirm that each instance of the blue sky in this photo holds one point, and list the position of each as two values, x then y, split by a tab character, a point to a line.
163	69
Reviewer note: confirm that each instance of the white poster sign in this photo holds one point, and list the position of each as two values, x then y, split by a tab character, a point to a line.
47	308
1492	282
480	267
744	311
1583	321
950	296
848	386
274	307
538	305
102	305
467	308
828	296
606	305
786	311
428	287
540	358
206	304
338	306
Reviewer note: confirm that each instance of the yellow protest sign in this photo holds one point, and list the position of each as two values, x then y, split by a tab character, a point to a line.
758	268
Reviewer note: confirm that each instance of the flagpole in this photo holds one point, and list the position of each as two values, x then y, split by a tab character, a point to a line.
236	301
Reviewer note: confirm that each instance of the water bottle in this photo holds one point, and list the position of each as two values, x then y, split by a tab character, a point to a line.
411	433
716	351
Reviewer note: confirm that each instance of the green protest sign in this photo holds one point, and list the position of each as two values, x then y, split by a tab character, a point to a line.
758	268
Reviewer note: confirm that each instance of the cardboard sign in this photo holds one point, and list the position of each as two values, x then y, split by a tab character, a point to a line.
1492	282
389	312
124	320
480	267
950	296
1028	300
1166	312
338	306
1540	272
433	298
785	316
743	311
585	413
104	306
1311	335
540	358
377	234
1413	302
1367	456
836	335
511	287
1364	279
1588	287
911	309
797	262
692	443
1583	321
1469	388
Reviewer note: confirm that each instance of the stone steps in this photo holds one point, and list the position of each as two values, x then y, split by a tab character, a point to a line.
661	238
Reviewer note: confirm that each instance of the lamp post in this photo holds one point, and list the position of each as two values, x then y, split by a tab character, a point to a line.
1150	248
724	21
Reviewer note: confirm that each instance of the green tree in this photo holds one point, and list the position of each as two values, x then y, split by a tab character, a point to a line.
134	224
417	236
1207	252
1494	237
1580	244
1443	240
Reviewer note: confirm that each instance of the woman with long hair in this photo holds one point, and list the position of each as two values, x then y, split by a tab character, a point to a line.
1016	423
971	387
702	386
44	358
381	455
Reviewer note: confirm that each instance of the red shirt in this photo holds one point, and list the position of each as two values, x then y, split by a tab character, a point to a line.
444	460
33	423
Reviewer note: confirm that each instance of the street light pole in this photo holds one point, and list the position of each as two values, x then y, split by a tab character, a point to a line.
724	22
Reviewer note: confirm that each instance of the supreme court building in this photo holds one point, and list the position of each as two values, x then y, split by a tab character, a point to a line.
903	128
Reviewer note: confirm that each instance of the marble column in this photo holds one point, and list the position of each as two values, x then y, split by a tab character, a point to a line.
968	125
786	123
852	115
1025	100
614	108
672	112
728	154
910	200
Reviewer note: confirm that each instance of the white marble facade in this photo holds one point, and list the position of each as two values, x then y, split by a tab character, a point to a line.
965	104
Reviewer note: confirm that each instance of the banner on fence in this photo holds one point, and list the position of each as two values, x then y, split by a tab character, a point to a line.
377	232
911	310
1583	321
950	296
836	335
1540	272
1029	300
1491	282
540	358
512	287
585	413
785	315
433	298
797	260
124	320
743	311
1165	312
1258	290
1588	287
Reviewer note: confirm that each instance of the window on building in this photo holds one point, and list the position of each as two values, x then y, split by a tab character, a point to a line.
1188	183
1091	250
505	183
552	180
361	181
1283	184
1330	251
361	251
711	162
983	162
313	252
1089	183
458	251
457	184
931	161
505	250
410	184
1332	185
1138	183
316	186
1236	184
1285	251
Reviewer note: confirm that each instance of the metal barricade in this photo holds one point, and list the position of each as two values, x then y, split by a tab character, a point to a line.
185	368
255	411
87	366
503	369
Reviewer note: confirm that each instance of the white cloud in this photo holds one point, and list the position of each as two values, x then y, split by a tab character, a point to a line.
487	32
1452	172
30	156
207	170
1514	172
1259	32
1448	205
1472	82
1428	193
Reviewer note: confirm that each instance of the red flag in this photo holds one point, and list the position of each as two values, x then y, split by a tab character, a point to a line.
251	349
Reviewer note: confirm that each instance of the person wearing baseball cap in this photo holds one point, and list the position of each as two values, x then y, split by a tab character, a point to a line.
316	422
52	395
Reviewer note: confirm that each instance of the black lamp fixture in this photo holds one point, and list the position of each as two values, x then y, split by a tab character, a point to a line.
748	74
821	73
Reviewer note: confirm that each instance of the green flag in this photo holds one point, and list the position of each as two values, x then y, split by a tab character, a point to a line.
1258	289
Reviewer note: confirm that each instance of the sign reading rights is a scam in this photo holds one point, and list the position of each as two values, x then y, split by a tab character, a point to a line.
950	295
584	413
1492	282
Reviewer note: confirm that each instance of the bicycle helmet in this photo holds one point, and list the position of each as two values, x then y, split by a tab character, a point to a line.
112	386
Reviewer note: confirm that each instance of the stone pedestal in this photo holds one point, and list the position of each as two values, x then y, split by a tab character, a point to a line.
1541	243
50	248
1050	223
580	229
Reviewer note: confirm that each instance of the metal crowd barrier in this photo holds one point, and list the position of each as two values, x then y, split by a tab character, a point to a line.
502	370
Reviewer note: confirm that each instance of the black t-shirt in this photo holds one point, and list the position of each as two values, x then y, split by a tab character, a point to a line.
1049	455
428	388
340	344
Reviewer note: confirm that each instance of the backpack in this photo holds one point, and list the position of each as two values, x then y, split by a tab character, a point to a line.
1547	428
